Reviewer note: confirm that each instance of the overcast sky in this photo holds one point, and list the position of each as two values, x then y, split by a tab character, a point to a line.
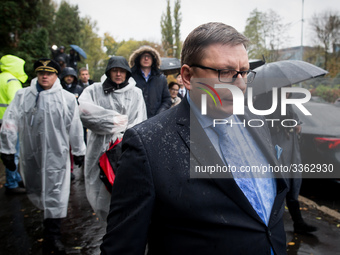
140	19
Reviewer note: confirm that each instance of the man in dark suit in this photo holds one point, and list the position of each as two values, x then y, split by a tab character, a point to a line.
163	197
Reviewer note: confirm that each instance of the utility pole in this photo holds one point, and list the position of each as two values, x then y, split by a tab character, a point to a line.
302	20
301	47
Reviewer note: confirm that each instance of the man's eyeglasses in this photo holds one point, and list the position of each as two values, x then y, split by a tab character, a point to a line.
145	56
230	75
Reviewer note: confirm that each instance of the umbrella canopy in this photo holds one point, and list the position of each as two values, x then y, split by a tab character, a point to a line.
254	63
283	73
170	65
79	50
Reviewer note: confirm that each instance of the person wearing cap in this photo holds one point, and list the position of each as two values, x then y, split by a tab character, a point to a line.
107	109
47	119
11	76
145	63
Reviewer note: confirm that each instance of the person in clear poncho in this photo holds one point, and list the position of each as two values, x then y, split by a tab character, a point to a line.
107	109
46	117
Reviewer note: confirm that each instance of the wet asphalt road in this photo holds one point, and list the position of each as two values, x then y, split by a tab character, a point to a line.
326	240
21	229
322	191
21	226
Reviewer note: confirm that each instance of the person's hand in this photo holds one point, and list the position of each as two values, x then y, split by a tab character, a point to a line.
78	160
298	129
120	120
8	160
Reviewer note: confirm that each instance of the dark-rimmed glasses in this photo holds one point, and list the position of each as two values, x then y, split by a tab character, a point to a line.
230	75
145	56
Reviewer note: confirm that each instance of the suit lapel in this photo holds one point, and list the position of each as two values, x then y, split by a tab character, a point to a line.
195	137
203	153
261	137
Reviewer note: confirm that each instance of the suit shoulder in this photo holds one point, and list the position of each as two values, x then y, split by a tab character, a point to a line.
158	123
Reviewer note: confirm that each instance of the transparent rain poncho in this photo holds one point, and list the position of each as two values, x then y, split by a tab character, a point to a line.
106	116
48	123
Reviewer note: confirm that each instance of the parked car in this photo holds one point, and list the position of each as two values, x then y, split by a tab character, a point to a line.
320	135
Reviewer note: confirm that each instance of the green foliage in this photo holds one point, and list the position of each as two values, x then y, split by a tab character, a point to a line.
15	19
336	80
254	30
266	33
28	29
33	46
67	25
167	31
170	31
8	19
178	20
25	30
90	42
326	28
127	47
111	44
327	93
46	17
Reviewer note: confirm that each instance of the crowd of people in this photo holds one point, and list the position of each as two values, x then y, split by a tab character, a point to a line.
64	60
155	206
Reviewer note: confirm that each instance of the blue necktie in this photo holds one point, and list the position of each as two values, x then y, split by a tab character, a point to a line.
233	158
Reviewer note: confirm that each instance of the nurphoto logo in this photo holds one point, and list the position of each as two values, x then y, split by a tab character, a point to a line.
239	101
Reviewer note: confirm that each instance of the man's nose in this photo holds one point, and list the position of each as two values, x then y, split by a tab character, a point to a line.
240	82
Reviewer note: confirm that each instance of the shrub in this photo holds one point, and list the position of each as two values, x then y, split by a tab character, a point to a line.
327	93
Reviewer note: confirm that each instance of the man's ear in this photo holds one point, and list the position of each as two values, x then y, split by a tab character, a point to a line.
186	76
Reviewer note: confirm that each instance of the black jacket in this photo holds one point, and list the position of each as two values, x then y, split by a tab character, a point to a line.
155	201
155	91
74	89
72	60
83	85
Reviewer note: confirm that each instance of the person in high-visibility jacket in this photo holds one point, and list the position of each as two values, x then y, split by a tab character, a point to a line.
11	76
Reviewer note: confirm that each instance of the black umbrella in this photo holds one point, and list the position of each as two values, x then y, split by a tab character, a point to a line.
283	73
170	65
254	63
